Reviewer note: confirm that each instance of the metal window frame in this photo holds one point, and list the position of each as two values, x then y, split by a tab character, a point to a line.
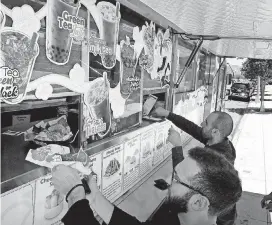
189	62
218	81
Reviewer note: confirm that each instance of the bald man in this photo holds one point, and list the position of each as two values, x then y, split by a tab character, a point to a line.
214	132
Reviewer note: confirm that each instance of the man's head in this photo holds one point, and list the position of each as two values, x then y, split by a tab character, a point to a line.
218	126
204	185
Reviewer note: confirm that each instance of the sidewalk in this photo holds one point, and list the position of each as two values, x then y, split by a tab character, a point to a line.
253	142
254	152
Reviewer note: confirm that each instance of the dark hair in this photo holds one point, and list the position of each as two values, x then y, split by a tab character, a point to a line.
218	180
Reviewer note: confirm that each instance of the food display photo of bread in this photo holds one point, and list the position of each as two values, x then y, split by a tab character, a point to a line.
133	160
160	141
130	160
112	168
53	205
147	150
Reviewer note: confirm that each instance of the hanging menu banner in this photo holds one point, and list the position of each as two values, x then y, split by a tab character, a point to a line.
147	150
63	25
112	172
107	18
131	162
18	56
17	206
160	142
97	115
50	205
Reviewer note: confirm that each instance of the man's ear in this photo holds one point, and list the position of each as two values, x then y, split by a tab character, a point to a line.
215	132
198	203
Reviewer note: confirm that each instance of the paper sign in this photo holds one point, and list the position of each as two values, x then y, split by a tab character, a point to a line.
131	162
159	149
147	150
50	205
112	172
20	119
17	206
165	126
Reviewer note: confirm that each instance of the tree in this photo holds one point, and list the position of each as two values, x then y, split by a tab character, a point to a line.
253	68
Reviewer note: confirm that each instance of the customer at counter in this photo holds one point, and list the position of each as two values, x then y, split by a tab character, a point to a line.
214	132
196	196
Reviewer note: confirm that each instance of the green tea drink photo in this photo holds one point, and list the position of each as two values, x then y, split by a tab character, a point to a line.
58	40
18	53
110	17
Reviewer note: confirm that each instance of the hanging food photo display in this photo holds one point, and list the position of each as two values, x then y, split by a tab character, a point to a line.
156	56
114	73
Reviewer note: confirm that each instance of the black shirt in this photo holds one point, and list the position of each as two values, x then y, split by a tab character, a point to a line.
225	147
81	214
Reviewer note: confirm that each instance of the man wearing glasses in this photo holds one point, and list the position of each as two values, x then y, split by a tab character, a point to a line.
204	185
213	133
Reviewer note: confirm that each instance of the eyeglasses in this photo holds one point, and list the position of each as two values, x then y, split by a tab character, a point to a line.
177	180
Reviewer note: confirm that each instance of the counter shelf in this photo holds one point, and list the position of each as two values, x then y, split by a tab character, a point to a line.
16	171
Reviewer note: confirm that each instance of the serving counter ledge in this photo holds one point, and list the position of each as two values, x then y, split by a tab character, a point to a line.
16	171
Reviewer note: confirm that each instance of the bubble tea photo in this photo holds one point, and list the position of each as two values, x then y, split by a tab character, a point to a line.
58	40
97	101
18	52
110	18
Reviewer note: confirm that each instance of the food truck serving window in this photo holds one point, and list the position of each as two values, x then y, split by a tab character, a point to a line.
188	82
202	69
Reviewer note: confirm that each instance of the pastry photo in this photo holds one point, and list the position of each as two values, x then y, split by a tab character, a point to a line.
112	168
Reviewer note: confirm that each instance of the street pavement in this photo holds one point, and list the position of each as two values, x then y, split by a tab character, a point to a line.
253	141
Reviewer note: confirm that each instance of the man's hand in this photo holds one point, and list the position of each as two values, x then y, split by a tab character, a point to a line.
174	137
98	202
160	112
64	178
267	202
94	188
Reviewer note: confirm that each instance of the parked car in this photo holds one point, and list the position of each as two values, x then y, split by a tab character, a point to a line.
241	91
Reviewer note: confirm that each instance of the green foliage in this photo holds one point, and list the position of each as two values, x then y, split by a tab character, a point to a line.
252	68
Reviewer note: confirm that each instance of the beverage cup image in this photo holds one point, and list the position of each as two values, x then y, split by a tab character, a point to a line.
97	101
19	51
128	64
58	40
109	31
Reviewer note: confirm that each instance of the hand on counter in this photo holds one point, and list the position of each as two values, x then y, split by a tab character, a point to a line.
174	137
160	112
64	179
